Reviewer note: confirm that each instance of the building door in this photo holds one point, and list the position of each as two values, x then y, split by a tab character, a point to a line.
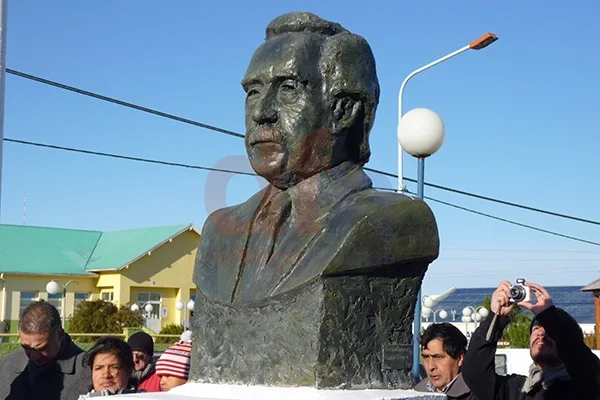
152	319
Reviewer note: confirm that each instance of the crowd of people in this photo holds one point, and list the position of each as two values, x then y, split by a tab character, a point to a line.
562	367
49	365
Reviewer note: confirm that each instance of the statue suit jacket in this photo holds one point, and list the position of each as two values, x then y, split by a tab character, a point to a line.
332	223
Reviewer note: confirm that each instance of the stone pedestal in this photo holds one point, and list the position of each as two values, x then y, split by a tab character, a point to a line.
343	332
240	392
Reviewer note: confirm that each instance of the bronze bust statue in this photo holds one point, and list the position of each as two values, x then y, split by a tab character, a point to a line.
318	262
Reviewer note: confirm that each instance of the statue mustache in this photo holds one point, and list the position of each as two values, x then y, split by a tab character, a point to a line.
266	134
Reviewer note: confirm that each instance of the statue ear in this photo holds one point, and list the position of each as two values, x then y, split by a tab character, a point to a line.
346	111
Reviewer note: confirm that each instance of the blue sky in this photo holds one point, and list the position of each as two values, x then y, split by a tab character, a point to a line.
520	116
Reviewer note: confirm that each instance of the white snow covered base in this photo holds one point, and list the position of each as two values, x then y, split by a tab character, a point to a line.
209	391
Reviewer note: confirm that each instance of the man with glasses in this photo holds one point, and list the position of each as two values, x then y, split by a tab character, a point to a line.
144	365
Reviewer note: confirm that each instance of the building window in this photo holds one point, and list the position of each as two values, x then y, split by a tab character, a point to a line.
145	297
80	298
500	362
108	296
153	298
56	301
26	299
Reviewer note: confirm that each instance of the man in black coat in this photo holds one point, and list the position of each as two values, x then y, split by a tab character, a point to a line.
48	366
563	366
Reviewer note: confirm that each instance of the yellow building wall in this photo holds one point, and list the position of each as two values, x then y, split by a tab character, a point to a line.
167	270
13	285
111	282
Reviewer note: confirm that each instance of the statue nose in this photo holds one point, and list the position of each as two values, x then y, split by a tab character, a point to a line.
265	111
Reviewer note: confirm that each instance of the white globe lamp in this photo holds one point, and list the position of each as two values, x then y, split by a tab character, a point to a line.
443	314
467	312
421	132
148	308
179	305
466	319
52	287
484	312
190	305
427	302
134	307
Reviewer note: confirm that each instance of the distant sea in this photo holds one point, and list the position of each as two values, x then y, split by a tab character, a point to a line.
570	298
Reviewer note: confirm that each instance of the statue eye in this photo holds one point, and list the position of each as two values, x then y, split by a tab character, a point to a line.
288	92
288	87
252	92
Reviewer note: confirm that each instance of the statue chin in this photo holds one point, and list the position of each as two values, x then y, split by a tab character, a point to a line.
282	181
273	171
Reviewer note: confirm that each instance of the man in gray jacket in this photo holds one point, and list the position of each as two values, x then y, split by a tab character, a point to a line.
49	365
443	349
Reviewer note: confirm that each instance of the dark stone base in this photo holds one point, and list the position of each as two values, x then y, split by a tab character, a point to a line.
347	332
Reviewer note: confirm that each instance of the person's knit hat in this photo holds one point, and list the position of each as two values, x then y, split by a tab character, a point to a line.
141	341
565	320
175	361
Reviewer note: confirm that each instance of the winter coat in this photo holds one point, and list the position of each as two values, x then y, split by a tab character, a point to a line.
63	379
582	365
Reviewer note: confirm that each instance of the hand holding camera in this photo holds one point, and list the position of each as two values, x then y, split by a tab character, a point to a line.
519	292
544	300
507	295
500	303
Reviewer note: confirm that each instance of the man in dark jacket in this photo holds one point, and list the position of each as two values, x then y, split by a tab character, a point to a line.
443	348
563	366
49	365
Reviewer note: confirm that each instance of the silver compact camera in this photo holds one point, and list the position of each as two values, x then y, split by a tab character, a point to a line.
520	292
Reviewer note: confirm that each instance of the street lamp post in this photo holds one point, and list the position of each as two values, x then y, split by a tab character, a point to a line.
474	314
3	15
190	307
53	287
421	133
443	314
147	307
477	44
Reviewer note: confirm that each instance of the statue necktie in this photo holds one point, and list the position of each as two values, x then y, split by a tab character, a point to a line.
265	228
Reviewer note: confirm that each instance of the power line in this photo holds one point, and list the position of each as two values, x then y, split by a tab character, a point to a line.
173	164
500	218
481	197
122	157
239	135
512	222
123	103
516	250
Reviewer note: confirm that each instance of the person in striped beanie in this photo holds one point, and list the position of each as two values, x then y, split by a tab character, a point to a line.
173	366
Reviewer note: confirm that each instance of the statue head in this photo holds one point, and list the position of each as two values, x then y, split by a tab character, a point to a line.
311	96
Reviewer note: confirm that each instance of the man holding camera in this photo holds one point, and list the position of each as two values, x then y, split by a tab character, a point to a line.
563	366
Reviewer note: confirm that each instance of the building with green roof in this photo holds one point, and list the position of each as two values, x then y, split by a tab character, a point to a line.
143	266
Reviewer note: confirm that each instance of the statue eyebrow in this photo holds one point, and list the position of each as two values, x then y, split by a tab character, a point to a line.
279	78
249	82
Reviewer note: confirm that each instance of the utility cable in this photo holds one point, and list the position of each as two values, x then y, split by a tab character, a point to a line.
501	219
123	103
239	135
174	164
123	157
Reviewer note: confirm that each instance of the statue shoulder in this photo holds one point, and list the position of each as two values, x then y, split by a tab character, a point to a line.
390	229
